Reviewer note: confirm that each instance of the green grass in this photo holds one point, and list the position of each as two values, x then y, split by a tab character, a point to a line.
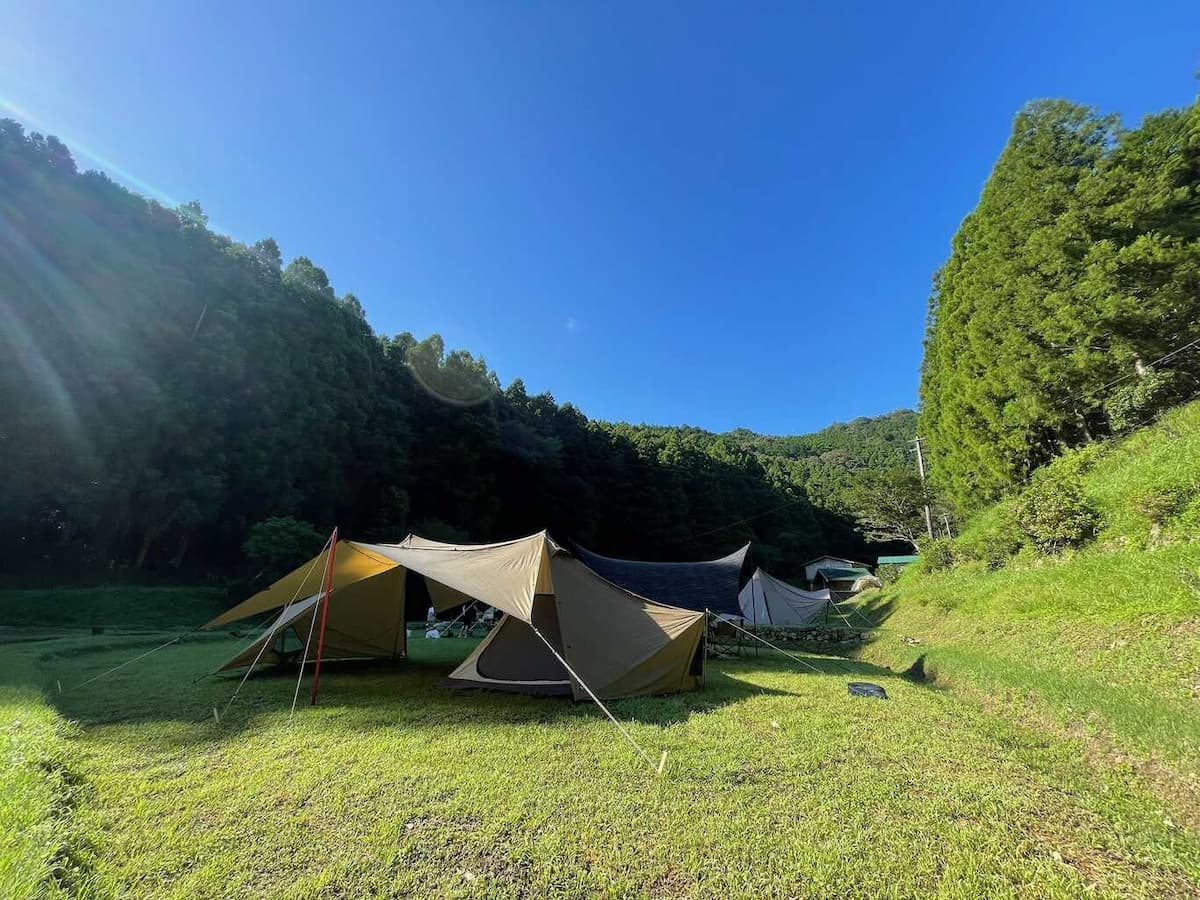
1160	464
1103	642
1056	752
111	607
35	794
777	784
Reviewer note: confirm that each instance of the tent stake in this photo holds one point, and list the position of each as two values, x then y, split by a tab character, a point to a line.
130	662
592	694
324	614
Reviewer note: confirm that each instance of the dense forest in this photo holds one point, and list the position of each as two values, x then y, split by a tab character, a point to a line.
1069	308
167	388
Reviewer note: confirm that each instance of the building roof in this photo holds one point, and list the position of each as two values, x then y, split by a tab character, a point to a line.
833	573
852	562
897	560
713	584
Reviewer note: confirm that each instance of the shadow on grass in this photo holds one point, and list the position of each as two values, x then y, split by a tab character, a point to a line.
173	691
878	607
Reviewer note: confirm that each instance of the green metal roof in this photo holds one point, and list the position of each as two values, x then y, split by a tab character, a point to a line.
896	560
832	574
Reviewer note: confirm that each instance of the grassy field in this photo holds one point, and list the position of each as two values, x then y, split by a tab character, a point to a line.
1053	750
777	784
1101	644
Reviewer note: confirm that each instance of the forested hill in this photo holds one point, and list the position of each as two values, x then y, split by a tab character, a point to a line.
1069	308
167	388
829	464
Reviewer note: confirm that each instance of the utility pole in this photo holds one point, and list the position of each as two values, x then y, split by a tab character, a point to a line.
921	469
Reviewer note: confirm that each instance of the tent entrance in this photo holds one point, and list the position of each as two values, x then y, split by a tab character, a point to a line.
517	654
513	658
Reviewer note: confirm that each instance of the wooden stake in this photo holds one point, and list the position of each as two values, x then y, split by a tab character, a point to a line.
324	613
662	761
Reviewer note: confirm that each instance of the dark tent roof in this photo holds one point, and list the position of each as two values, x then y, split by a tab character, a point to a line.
713	584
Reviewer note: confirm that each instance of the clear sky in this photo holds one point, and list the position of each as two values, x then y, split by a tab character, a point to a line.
716	214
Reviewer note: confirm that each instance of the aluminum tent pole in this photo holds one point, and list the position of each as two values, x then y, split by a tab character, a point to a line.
324	613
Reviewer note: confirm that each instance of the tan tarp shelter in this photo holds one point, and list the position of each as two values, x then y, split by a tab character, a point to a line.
766	600
618	643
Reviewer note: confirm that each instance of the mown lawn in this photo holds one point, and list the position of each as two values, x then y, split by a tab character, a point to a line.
777	784
1108	641
1102	642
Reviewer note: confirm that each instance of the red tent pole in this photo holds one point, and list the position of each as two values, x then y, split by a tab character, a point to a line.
324	612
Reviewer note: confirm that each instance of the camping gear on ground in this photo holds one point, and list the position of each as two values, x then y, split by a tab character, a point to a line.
709	585
564	629
865	689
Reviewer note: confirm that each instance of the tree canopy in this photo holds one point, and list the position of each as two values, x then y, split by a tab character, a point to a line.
1078	268
170	389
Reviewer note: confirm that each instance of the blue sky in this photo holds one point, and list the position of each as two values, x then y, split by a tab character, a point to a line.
716	214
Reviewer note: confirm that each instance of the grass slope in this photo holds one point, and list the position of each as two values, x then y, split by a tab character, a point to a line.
1054	755
777	784
1105	642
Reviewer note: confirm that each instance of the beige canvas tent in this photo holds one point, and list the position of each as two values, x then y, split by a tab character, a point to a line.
558	614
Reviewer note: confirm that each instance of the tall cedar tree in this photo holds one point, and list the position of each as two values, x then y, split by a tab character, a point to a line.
1080	264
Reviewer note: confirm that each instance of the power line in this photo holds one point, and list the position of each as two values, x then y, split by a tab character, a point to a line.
765	512
1166	357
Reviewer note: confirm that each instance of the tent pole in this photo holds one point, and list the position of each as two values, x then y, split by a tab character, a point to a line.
592	694
286	607
312	626
763	595
324	613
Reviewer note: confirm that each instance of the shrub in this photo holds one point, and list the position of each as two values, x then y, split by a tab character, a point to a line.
1187	522
278	544
1159	505
1133	404
936	555
1053	512
888	573
994	542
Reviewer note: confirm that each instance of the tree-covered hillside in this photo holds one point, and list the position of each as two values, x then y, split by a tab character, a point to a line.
1070	306
167	388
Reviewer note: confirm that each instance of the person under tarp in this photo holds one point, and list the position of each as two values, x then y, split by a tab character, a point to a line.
765	600
564	629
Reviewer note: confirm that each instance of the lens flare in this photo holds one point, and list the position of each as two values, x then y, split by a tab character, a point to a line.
82	152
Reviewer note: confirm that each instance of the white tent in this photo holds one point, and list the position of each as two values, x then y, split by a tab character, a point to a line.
768	601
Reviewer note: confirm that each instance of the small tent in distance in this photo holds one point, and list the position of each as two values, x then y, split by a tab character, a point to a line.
562	623
765	600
